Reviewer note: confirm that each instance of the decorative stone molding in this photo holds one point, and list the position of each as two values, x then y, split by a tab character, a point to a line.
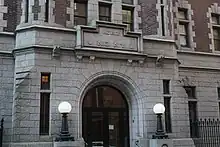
91	58
56	51
214	8
129	62
3	10
160	60
79	58
184	4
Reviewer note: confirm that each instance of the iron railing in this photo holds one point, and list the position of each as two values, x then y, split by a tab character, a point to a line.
206	132
1	132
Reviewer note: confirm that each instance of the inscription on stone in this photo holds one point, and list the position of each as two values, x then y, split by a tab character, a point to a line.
110	39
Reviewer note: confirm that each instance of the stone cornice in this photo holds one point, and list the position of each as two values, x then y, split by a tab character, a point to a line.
36	26
7	33
198	53
158	39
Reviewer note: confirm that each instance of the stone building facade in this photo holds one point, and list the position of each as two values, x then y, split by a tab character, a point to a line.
134	46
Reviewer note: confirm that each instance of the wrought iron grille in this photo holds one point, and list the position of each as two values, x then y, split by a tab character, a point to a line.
206	132
1	132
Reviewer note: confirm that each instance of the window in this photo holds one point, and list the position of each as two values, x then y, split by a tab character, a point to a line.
192	104
162	17
166	86
45	81
127	2
46	10
193	117
26	11
183	27
80	12
168	126
218	90
104	12
216	31
127	17
191	92
44	113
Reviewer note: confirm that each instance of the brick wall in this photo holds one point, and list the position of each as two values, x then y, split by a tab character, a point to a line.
200	10
60	11
149	16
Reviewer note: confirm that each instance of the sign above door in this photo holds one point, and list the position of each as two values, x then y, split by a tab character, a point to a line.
108	36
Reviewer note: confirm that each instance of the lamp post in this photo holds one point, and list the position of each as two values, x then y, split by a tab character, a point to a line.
64	108
159	109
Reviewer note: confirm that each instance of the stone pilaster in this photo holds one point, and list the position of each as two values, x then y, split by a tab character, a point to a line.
3	10
93	14
70	14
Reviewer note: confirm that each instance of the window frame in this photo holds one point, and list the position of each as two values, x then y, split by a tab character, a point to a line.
216	27
85	2
168	120
193	88
46	17
42	85
166	86
131	9
26	11
106	5
185	22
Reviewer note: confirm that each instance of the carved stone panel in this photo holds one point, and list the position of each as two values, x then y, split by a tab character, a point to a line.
108	37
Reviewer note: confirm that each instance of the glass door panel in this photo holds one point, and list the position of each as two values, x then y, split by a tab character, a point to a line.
113	127
97	129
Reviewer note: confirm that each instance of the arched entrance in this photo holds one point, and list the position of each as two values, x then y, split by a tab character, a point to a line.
105	118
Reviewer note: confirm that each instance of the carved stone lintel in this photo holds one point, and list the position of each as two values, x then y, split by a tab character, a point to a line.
56	51
79	57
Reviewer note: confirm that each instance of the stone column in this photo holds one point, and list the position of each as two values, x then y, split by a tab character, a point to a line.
3	9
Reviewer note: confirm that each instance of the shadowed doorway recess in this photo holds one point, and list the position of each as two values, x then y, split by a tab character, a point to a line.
105	118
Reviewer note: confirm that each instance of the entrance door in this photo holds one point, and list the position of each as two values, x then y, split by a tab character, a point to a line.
105	118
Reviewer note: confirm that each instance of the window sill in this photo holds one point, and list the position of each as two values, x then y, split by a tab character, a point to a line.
106	2
128	5
186	48
45	91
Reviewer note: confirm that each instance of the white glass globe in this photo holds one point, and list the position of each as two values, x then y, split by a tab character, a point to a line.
159	108
64	107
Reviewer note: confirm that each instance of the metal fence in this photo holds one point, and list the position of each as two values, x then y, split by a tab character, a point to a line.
206	132
1	132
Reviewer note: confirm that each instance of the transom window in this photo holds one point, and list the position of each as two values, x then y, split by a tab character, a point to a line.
80	12
183	27
127	17
104	97
104	12
216	31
